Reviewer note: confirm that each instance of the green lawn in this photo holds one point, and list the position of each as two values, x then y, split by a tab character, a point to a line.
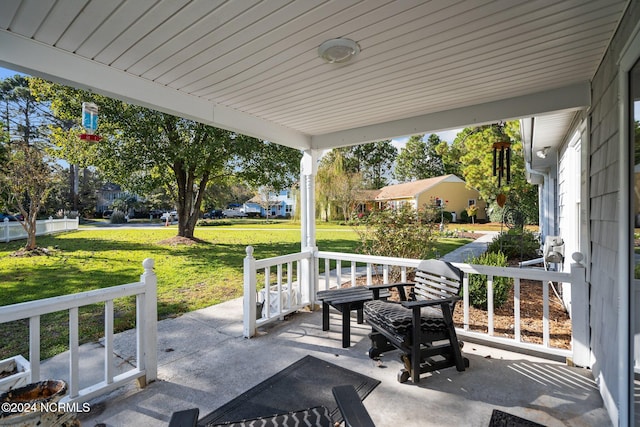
189	276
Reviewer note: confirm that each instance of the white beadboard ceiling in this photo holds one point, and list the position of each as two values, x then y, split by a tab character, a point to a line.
252	66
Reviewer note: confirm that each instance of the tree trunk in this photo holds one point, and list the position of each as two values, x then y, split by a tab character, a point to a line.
30	227
189	199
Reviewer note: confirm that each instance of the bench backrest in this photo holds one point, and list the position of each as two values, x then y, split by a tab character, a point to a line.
436	280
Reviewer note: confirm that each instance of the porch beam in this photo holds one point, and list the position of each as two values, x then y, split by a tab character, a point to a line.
35	58
574	96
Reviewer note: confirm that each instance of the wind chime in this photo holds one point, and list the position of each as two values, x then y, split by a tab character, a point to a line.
501	160
502	156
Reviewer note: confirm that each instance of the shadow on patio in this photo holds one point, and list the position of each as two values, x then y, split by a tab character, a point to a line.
204	362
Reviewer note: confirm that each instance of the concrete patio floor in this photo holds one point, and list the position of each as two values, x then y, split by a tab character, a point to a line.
204	362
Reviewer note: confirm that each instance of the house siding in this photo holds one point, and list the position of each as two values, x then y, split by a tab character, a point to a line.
605	191
456	195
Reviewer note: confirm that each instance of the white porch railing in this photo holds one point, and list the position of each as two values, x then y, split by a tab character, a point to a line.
340	268
13	230
146	329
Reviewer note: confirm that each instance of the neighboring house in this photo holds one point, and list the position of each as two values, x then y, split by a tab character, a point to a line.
107	194
282	204
447	191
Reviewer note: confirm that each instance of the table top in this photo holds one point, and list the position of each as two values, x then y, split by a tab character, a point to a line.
344	295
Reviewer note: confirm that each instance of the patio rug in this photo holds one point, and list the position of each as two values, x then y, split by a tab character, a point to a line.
304	384
504	419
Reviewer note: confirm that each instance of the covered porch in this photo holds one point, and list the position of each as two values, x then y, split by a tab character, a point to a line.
203	361
561	67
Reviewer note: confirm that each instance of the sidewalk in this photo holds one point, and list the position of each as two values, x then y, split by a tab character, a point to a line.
471	250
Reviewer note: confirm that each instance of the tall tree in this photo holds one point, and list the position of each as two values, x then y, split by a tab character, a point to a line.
25	175
336	185
374	161
419	159
27	178
143	149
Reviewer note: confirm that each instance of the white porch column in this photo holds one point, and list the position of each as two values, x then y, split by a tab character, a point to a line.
308	276
308	171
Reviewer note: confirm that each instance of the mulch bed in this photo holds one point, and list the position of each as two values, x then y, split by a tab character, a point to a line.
530	317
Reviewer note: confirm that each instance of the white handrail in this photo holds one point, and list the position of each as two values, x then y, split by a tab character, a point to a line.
146	329
346	271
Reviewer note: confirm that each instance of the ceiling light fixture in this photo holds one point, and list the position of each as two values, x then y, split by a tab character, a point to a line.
338	50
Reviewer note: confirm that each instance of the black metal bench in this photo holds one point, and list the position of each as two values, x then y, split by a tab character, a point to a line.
420	325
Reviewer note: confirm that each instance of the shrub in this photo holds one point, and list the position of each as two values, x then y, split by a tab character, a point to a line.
117	217
212	222
478	282
516	244
404	233
464	216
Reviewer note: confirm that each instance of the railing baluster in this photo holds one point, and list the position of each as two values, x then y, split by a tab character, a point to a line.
465	300
108	342
74	359
327	273
516	309
490	304
545	313
385	274
339	273
34	348
279	287
267	291
290	282
369	274
353	273
140	328
403	274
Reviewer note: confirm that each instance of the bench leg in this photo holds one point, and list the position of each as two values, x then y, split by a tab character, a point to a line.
360	312
346	325
325	316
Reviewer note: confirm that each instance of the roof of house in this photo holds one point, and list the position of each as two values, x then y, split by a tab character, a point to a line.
413	189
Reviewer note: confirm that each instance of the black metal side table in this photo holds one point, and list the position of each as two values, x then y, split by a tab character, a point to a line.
344	300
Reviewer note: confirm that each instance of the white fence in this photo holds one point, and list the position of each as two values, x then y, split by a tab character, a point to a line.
146	333
350	267
13	230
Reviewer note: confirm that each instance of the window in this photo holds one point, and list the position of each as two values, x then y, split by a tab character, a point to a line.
471	202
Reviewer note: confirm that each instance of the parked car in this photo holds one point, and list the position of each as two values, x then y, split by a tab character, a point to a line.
106	214
213	214
155	213
6	215
233	213
172	216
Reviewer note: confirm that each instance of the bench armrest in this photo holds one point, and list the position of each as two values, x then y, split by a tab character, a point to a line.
399	287
351	407
430	302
